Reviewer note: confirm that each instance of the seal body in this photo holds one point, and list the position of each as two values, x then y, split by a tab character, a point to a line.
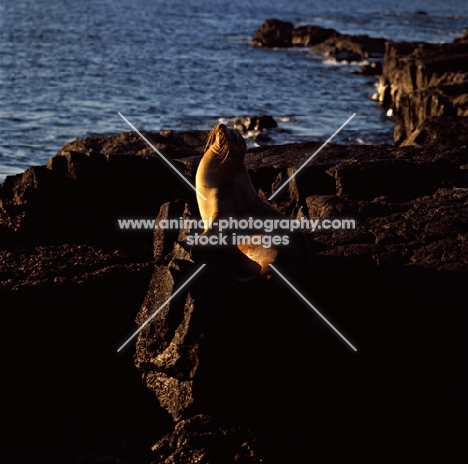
223	180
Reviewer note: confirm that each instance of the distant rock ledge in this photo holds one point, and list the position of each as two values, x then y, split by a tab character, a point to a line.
326	42
417	80
422	80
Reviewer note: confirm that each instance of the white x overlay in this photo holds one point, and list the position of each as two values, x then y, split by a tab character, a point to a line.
162	306
203	265
308	159
159	153
312	306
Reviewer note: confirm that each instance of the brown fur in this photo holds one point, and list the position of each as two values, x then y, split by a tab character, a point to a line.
223	179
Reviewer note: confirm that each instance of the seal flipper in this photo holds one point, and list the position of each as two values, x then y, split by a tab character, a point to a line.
261	255
243	268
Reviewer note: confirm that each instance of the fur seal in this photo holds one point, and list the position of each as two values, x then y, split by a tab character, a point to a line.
223	180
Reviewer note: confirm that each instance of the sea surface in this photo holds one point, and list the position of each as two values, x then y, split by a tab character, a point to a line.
68	67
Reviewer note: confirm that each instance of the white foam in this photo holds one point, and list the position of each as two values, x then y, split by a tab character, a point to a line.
334	62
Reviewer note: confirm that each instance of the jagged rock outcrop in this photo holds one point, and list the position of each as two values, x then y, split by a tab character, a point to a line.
420	80
324	41
345	47
310	34
445	130
274	33
252	353
68	307
417	80
91	183
243	372
200	439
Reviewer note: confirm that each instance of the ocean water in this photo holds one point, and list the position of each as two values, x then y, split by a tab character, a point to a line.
68	67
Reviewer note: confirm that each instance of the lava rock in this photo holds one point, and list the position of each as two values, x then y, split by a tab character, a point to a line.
420	80
444	130
241	370
274	33
92	183
350	47
200	439
311	35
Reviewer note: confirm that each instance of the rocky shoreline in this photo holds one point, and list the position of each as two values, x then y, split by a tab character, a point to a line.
416	80
420	81
245	373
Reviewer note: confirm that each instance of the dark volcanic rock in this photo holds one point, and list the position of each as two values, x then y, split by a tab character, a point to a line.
243	353
274	33
414	108
216	347
199	439
421	80
242	372
91	183
445	130
325	41
71	396
173	144
350	48
311	35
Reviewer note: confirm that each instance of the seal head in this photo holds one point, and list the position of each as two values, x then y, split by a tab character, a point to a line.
224	181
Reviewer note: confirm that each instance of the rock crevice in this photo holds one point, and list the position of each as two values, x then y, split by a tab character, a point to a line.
421	80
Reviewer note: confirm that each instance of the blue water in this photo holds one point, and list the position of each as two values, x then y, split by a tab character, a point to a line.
68	67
